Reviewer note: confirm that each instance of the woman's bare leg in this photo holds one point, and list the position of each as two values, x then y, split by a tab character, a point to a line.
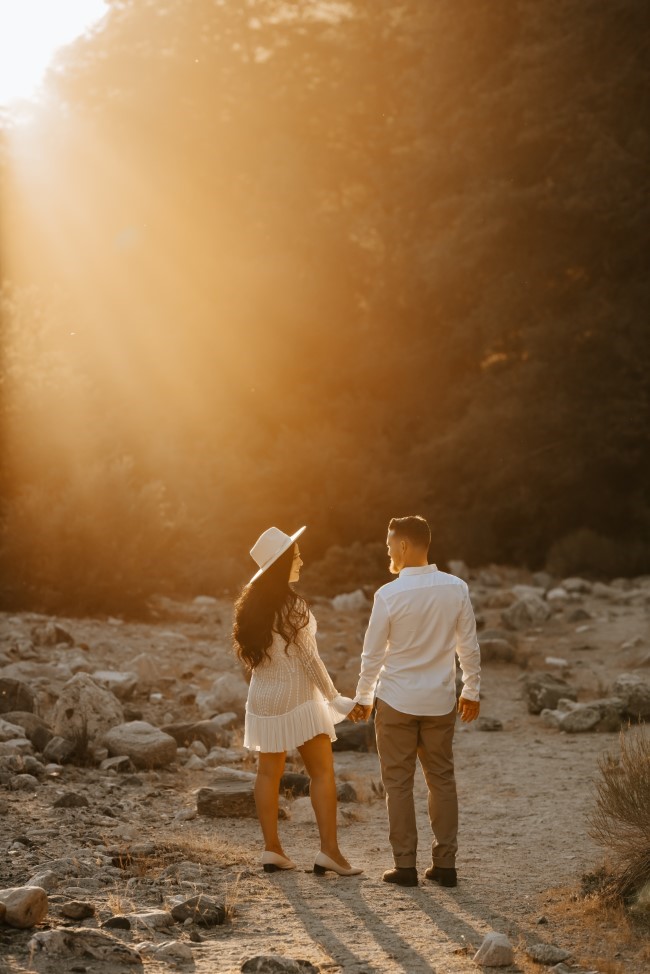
267	787
317	755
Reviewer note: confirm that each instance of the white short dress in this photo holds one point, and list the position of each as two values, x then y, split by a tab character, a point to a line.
291	697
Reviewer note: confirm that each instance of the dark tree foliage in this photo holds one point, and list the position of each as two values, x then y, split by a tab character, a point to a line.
330	263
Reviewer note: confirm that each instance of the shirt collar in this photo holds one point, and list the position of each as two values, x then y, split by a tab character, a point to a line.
420	570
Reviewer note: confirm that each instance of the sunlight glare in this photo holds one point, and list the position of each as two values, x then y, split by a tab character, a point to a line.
31	31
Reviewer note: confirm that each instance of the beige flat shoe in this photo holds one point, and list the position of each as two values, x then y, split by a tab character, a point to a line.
322	863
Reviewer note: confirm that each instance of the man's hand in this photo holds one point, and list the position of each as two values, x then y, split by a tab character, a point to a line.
360	711
468	709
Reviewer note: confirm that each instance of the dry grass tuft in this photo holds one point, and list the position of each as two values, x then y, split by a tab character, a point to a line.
118	903
604	935
206	849
620	822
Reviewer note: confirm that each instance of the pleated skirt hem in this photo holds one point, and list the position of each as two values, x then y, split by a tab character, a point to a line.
287	731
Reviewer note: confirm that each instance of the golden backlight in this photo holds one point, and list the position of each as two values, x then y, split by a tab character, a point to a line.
31	31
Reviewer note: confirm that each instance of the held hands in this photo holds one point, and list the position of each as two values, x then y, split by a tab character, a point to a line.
360	711
468	709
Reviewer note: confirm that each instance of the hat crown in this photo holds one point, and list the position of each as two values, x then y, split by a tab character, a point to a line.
269	546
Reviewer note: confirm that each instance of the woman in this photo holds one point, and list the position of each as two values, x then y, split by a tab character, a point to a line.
292	703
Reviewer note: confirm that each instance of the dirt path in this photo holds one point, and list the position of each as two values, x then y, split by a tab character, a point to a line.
525	793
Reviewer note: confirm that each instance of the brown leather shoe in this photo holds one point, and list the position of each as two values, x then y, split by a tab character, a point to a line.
445	876
402	875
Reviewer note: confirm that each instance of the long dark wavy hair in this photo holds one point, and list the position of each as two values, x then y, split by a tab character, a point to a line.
267	606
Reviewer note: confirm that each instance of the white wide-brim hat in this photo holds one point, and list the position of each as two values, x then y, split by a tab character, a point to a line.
269	546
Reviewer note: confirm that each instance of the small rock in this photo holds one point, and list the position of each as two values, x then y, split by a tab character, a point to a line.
146	745
10	732
24	782
15	695
82	943
47	880
635	690
558	594
496	650
579	721
355	737
201	909
209	733
59	750
34	728
121	762
577	585
71	799
24	906
51	635
489	724
276	964
171	951
350	601
295	784
77	909
543	691
531	610
151	920
346	792
228	692
495	951
227	798
547	954
578	615
121	684
117	922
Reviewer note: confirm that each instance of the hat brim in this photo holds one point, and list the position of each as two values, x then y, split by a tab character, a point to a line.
292	540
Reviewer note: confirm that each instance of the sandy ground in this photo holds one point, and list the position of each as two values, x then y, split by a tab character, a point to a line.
525	793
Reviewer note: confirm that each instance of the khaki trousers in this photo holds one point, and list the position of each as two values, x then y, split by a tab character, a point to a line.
400	739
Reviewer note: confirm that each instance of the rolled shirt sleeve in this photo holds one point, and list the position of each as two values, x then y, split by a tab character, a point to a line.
467	648
375	646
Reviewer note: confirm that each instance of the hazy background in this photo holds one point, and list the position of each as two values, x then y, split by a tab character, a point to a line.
325	263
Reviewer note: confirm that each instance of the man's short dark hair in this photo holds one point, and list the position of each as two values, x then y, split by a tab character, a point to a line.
414	528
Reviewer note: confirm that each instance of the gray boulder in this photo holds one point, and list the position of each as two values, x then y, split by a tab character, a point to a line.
543	691
35	728
121	684
211	733
85	710
173	952
15	695
635	691
228	692
51	634
580	720
82	944
146	745
529	610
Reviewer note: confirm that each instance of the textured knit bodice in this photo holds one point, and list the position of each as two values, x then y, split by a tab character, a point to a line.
291	695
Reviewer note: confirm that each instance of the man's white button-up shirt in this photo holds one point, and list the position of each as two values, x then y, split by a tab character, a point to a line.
418	623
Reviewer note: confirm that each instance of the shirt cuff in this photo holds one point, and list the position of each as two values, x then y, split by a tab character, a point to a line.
342	705
367	699
470	695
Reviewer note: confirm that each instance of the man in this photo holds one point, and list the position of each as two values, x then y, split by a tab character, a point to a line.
418	623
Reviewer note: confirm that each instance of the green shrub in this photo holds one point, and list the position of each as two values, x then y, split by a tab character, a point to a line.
588	553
